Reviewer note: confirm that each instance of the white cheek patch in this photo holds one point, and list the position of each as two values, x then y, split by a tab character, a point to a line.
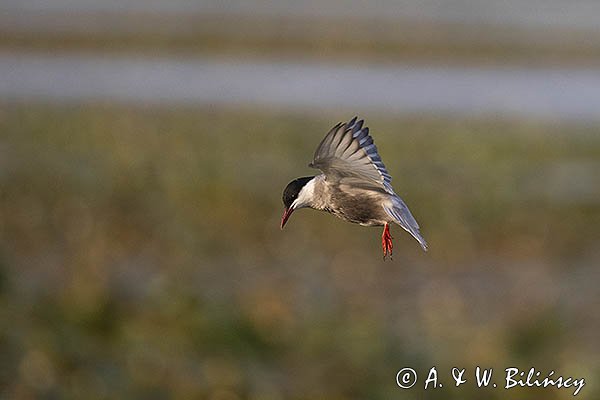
306	195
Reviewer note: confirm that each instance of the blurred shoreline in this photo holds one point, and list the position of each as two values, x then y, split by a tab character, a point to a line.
354	38
552	93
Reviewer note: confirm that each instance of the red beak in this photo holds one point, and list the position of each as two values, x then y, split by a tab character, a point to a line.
286	215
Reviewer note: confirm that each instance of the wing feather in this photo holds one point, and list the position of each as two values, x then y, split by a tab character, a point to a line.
349	151
348	155
399	211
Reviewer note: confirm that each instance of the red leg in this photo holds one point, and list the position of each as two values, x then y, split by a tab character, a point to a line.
386	242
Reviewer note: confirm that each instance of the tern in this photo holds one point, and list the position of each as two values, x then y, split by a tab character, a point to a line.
354	185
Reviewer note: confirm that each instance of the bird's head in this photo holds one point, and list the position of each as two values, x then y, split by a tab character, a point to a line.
297	194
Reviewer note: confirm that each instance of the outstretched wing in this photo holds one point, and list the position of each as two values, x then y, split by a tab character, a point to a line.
399	211
348	151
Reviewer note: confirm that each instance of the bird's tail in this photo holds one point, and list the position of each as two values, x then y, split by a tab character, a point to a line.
401	214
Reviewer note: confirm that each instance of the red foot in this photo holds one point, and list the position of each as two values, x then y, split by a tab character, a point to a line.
386	242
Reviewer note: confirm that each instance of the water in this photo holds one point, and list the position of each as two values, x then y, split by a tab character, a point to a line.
543	14
569	93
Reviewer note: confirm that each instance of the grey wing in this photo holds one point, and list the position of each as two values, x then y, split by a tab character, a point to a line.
399	211
348	153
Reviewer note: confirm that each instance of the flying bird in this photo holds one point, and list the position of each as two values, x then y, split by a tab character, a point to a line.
354	185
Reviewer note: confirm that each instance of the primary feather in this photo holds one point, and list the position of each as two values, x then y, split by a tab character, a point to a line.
351	165
349	151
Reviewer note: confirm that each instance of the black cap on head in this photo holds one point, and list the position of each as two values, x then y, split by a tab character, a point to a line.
292	189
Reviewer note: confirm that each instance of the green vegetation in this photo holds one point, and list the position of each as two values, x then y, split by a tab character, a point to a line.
336	39
141	257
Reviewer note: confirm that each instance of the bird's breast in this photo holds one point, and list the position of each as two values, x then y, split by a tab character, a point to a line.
364	208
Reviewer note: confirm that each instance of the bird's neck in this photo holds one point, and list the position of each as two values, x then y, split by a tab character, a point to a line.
311	194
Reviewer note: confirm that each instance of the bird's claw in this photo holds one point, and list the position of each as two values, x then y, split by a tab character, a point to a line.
386	242
388	251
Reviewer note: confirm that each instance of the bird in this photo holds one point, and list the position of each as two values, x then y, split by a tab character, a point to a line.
354	185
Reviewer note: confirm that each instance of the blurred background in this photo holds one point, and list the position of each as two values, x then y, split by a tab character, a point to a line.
144	146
